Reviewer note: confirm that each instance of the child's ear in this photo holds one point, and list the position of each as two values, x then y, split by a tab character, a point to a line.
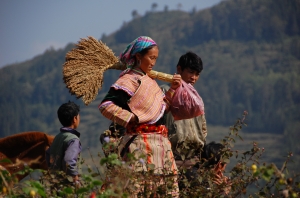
74	119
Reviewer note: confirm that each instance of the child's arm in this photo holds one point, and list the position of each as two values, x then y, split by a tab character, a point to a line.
71	157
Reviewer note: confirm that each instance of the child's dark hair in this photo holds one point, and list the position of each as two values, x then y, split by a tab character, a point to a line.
66	112
192	61
212	152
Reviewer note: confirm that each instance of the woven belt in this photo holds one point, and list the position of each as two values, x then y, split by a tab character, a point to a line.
147	128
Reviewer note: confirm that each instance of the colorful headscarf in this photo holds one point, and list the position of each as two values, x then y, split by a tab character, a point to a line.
134	47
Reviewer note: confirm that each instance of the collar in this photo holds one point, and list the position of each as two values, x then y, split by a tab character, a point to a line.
69	130
138	70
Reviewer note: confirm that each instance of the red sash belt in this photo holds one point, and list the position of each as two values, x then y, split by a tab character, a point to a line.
147	128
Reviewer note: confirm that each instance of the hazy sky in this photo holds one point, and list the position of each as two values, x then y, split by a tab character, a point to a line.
28	28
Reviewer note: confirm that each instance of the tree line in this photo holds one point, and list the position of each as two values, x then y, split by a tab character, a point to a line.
251	56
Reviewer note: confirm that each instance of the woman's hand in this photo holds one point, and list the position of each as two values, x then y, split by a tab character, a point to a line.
176	81
134	119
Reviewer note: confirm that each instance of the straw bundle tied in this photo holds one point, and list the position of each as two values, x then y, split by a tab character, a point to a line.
84	67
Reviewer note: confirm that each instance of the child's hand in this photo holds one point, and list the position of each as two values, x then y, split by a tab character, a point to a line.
76	181
77	184
219	179
176	81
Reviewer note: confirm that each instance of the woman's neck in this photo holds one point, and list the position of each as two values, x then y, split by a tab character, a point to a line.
138	70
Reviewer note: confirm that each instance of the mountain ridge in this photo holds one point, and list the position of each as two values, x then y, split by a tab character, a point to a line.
259	74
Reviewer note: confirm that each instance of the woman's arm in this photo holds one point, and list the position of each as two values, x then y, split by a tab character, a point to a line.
71	156
176	82
114	107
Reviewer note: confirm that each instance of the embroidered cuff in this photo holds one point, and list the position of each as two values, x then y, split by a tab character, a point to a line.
171	92
115	113
169	95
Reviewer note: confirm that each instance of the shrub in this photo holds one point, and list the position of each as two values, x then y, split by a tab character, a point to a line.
248	177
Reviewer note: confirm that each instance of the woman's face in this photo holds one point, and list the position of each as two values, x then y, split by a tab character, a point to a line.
148	60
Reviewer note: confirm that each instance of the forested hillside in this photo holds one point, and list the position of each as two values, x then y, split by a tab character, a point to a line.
251	55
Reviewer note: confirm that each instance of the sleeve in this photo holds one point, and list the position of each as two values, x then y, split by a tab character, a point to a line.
169	96
71	156
169	93
204	126
114	107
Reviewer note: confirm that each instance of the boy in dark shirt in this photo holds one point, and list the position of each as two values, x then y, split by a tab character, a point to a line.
64	152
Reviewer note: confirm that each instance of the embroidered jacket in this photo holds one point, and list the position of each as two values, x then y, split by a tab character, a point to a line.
134	93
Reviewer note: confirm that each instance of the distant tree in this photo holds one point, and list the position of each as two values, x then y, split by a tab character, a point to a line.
103	36
179	6
153	7
193	11
51	48
124	24
166	8
134	14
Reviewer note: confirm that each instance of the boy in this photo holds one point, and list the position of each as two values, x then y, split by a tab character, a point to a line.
64	152
188	134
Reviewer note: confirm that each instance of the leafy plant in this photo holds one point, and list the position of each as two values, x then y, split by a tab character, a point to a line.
247	177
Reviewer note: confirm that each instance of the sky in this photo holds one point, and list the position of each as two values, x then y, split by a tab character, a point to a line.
28	28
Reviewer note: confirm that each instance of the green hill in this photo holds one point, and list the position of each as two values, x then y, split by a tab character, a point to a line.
251	55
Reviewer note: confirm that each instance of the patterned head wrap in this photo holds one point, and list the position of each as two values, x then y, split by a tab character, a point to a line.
134	47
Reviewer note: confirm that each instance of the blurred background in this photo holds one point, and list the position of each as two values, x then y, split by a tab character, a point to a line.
250	50
31	27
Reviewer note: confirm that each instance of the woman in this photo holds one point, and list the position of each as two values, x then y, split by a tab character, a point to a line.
136	102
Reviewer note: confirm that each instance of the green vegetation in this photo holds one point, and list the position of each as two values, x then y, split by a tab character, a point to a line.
251	55
249	176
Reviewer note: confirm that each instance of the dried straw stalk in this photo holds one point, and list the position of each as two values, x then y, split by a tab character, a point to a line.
84	67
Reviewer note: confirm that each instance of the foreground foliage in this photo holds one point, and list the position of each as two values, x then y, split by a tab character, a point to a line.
248	177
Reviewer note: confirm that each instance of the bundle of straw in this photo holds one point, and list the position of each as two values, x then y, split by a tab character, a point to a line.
84	67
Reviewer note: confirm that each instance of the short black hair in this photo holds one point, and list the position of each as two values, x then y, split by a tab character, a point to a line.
190	60
212	152
66	112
